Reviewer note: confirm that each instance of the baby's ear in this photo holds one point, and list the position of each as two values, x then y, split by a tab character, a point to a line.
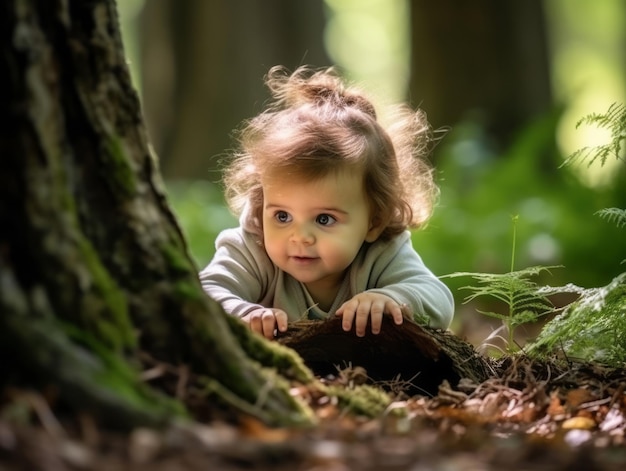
377	226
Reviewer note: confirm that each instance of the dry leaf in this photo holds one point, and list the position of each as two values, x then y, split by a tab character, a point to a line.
253	428
579	396
579	423
555	408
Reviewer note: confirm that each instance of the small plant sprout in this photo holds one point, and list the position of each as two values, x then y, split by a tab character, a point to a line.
525	300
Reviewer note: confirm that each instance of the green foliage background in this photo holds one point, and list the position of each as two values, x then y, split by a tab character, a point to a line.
202	213
480	192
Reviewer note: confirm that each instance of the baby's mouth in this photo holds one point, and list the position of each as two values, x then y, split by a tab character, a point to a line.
302	258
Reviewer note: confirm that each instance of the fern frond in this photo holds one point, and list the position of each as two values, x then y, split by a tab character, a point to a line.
513	288
484	291
614	120
526	301
526	317
495	315
591	328
530	304
494	277
568	288
616	216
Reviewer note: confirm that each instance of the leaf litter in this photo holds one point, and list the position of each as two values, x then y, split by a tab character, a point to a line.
548	415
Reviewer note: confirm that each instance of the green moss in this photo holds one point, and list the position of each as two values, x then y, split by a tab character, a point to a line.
361	400
103	307
269	353
118	169
176	260
187	290
88	374
111	375
283	410
112	321
116	377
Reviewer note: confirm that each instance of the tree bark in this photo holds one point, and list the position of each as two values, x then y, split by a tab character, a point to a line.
204	81
485	60
93	267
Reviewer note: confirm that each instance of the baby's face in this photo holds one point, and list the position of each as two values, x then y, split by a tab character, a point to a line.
313	230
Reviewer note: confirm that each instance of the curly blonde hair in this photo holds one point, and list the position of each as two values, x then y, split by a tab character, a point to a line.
318	124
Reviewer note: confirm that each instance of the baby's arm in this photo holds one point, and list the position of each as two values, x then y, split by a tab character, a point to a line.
236	278
398	279
404	278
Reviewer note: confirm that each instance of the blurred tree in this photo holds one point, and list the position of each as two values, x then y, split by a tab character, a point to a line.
203	64
485	60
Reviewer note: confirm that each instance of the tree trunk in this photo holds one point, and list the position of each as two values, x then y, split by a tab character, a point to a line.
485	60
93	268
200	85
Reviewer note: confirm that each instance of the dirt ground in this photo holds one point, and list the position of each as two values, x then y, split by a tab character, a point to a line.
539	416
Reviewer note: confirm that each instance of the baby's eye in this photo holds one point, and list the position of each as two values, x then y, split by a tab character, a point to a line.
325	220
282	216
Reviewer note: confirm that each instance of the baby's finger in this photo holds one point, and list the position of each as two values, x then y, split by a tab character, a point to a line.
269	324
396	312
347	311
255	323
362	316
376	316
281	320
377	322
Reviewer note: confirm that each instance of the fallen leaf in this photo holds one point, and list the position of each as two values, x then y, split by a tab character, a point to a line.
579	396
253	428
555	408
580	423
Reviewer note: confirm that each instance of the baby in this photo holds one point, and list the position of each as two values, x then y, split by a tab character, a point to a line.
325	197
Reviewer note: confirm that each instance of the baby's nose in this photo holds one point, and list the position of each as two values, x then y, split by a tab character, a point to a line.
303	234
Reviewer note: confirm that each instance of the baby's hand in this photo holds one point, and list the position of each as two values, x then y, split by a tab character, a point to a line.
265	321
366	306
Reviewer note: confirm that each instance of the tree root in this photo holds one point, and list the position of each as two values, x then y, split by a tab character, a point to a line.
419	357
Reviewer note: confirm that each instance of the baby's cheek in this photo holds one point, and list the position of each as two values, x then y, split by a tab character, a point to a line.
273	252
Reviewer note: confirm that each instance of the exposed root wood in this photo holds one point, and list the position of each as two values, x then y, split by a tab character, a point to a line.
420	357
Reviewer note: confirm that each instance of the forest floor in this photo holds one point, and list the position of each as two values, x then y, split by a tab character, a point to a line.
529	415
